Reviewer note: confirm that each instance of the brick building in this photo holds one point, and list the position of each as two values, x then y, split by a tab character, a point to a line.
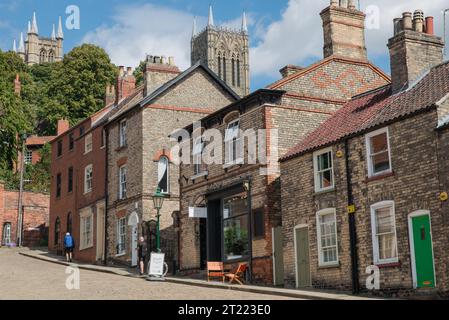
139	159
35	217
78	173
241	203
369	186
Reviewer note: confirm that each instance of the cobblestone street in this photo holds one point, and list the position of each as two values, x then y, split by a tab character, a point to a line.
26	278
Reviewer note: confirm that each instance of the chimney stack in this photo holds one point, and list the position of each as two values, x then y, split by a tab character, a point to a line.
125	84
158	72
17	85
63	126
414	49
289	70
344	30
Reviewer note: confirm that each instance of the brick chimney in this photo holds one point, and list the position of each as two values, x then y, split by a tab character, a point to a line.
414	49
344	30
289	70
158	71
63	126
125	84
109	97
17	85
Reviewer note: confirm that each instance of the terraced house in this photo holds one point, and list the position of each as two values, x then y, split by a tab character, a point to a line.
230	212
368	188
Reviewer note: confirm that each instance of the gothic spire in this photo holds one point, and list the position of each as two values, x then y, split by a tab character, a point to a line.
14	46
34	28
29	26
60	34
21	44
194	27
211	17
244	23
53	33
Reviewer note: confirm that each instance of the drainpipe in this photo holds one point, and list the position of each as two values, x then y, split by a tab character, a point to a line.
250	230
352	226
106	196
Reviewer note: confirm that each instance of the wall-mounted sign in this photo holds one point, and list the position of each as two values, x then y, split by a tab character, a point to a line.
197	212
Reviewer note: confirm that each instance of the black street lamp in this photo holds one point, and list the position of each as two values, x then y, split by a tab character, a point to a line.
158	200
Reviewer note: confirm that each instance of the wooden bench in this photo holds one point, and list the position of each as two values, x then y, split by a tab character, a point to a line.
239	275
215	270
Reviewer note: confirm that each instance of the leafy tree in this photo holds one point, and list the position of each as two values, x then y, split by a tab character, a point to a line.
139	72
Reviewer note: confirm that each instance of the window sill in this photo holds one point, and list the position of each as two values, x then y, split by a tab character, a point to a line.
233	164
199	175
87	192
388	265
121	148
120	255
329	266
324	191
87	152
86	248
380	177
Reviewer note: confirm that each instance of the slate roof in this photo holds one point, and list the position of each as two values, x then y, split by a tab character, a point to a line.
376	108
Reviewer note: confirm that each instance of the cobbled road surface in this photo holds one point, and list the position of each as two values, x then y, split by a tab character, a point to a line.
23	278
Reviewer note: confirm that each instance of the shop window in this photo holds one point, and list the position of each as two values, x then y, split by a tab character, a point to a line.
235	228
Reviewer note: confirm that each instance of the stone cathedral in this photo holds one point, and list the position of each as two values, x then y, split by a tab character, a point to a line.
225	51
35	49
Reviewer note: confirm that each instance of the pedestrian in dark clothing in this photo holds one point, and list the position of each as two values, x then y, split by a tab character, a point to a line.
142	254
69	244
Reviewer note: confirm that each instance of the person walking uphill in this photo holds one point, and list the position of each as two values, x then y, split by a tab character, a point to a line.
69	244
142	253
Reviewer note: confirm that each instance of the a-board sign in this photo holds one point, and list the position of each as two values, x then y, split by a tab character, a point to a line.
157	264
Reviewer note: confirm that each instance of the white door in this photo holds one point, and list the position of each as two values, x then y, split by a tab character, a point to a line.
133	222
134	246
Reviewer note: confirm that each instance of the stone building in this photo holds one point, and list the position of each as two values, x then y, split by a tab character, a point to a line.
293	107
139	159
35	218
224	51
368	188
35	49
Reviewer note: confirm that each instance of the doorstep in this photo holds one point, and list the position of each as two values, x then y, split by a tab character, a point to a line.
290	293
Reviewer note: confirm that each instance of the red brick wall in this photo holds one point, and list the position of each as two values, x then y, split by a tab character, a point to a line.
35	215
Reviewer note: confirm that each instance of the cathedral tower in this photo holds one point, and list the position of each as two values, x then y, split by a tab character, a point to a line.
35	49
224	51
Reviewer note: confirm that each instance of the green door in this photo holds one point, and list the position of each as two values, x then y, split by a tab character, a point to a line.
422	241
302	258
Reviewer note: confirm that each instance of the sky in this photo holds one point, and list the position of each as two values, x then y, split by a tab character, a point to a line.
281	31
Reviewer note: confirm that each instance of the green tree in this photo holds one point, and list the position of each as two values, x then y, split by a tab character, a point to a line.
139	73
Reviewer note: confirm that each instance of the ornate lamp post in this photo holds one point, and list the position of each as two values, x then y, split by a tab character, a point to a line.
158	200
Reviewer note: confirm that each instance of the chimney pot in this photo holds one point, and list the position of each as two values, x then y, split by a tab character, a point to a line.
344	3
351	4
429	26
171	61
418	21
407	23
334	3
129	70
397	25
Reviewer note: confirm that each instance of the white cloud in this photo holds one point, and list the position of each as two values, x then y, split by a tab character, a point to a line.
298	37
145	29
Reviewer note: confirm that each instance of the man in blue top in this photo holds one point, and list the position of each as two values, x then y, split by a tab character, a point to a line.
69	244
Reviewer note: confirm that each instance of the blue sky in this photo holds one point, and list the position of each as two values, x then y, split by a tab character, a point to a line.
281	31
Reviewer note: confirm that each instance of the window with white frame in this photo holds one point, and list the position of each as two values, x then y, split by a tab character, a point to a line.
378	152
163	175
198	148
28	157
121	236
323	170
88	176
383	224
86	229
327	237
123	133
88	143
122	182
233	143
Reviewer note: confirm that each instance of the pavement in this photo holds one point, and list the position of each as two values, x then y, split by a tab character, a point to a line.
249	291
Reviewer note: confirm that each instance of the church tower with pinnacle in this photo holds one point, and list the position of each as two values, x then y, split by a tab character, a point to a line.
36	50
224	51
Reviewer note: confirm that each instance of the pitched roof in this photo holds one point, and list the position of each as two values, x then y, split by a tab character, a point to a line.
376	108
161	90
278	84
